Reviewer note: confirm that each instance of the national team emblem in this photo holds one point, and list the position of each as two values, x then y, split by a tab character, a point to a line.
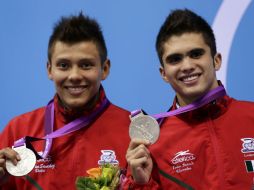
248	145
249	165
108	157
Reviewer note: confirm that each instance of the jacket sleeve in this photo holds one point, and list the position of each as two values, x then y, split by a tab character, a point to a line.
6	137
129	184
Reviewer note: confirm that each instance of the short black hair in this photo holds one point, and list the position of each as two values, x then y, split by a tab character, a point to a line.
182	21
74	29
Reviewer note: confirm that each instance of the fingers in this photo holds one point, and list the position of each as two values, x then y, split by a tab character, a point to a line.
136	142
2	166
10	154
138	154
139	160
137	149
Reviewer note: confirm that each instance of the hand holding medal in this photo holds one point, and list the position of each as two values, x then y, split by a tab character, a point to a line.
26	163
28	157
144	130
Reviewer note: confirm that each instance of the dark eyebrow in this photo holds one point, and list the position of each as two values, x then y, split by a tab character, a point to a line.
170	57
62	60
87	60
195	50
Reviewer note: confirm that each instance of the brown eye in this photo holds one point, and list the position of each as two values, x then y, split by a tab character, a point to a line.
86	65
197	53
174	59
63	65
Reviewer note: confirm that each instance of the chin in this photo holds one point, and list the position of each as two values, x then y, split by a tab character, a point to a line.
194	93
77	104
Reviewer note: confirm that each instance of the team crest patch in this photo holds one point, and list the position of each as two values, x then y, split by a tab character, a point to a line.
108	157
248	145
183	161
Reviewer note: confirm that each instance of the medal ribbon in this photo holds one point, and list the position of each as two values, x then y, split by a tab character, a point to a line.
75	125
209	97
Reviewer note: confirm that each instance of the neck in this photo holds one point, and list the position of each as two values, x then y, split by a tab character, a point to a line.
181	101
186	100
85	108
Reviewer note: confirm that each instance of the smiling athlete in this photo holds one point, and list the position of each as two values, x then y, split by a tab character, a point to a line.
82	122
206	148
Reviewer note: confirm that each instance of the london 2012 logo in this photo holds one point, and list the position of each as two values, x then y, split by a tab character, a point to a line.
248	145
108	157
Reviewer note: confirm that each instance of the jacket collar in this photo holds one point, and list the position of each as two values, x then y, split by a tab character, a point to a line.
213	109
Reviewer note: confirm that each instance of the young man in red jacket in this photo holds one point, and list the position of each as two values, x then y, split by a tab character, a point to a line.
210	147
84	129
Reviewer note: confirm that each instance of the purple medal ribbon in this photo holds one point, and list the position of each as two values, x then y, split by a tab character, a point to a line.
209	97
75	125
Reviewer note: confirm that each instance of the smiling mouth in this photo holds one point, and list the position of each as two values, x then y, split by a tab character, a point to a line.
76	90
189	78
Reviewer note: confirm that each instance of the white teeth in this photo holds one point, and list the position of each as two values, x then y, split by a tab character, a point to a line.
190	78
75	88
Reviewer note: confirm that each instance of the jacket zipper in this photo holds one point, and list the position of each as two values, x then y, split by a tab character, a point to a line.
217	154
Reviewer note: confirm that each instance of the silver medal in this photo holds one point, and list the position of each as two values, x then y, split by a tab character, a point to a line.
25	165
144	127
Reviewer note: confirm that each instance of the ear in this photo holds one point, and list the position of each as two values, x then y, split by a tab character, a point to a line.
163	74
49	68
217	61
105	69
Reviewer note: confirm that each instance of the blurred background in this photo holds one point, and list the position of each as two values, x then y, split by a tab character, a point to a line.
130	29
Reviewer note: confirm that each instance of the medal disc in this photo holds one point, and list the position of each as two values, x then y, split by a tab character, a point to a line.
144	127
25	165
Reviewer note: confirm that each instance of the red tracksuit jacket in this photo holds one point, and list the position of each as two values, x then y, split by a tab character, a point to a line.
70	155
211	148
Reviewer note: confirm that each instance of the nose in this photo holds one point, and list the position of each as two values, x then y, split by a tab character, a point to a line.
75	74
187	65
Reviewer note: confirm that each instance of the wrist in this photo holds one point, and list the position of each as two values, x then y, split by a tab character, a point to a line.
138	183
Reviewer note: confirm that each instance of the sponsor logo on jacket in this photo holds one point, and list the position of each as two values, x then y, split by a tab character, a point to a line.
183	161
183	156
